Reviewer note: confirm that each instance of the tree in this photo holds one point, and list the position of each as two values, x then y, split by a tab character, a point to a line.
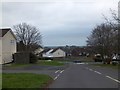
115	23
102	39
28	37
105	38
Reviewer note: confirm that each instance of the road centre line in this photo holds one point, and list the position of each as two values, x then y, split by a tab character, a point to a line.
57	71
106	76
86	67
113	79
90	69
93	70
97	72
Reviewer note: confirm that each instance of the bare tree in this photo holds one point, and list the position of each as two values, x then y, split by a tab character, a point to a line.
28	36
102	39
115	23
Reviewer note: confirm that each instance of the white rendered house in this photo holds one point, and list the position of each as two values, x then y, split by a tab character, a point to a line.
7	45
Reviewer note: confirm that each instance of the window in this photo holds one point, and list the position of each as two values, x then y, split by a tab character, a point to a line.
12	41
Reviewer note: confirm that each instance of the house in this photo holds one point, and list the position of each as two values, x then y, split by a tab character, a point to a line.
7	45
47	52
57	52
38	50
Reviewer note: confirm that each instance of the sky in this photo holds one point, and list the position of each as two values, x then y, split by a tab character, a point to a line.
61	22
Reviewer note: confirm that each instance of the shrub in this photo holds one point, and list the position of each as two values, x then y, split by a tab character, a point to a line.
33	58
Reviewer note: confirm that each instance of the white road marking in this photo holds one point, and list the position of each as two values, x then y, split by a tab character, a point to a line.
93	70
97	72
62	71
113	79
90	69
56	76
57	71
86	67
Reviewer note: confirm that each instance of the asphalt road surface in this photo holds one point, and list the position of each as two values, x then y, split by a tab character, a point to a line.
85	76
74	75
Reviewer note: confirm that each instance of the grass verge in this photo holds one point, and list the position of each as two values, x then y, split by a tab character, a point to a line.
108	66
24	80
50	63
13	65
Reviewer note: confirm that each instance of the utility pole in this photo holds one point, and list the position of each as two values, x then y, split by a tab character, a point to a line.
118	27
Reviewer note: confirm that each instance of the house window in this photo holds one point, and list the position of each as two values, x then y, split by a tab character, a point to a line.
12	41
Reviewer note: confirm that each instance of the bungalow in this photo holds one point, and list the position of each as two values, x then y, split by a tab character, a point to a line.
38	50
47	53
58	52
7	45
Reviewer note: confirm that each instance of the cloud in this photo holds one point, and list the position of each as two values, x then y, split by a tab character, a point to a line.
55	18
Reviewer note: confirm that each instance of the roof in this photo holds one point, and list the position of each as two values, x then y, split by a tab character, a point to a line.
4	31
45	50
56	50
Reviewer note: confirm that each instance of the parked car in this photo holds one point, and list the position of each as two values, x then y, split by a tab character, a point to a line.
77	61
116	59
98	58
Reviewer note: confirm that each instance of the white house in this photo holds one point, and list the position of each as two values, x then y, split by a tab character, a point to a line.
47	53
58	52
7	45
38	50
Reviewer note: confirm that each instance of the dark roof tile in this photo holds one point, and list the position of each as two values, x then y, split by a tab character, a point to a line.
4	31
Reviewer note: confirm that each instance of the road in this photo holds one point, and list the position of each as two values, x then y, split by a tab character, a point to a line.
74	75
85	76
37	69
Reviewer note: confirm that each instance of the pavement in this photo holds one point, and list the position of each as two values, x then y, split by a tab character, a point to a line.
82	75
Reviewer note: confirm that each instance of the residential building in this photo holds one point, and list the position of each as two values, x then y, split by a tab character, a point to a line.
38	50
7	45
57	52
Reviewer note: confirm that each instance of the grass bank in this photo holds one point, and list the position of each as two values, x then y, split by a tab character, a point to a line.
50	63
24	80
108	66
40	62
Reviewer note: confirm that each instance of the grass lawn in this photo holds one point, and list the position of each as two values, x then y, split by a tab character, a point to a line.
81	58
13	65
40	62
24	80
51	63
0	81
108	66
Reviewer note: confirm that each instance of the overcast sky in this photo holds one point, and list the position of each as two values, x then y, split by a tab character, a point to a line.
61	22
